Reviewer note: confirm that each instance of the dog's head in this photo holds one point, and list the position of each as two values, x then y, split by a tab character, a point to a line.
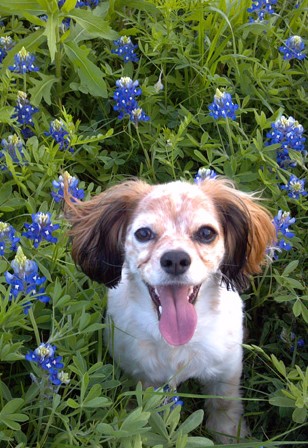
173	237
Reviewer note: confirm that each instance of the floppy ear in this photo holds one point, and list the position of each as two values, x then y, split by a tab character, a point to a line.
248	231
99	228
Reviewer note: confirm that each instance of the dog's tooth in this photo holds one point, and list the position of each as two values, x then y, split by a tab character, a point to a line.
160	309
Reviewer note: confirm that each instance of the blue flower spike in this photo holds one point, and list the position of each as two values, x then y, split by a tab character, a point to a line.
204	173
14	147
72	185
24	110
288	132
41	229
125	96
25	279
282	221
293	48
24	62
6	44
175	400
295	187
137	115
126	104
7	236
125	49
60	134
45	357
222	106
261	8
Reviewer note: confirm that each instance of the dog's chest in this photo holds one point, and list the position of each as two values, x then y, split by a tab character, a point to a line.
139	348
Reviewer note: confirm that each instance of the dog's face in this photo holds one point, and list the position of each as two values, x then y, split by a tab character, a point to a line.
174	243
173	237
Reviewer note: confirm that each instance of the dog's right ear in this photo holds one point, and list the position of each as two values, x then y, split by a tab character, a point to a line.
99	228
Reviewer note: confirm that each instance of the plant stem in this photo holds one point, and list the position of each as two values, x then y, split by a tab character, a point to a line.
34	326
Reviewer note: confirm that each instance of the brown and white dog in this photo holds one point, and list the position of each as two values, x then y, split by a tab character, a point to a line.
174	256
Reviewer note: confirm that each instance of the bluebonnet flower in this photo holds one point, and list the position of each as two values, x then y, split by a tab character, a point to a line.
45	357
41	228
72	185
289	134
24	62
125	49
7	235
137	115
293	48
25	279
14	147
125	96
222	106
24	110
295	187
6	44
60	134
282	221
90	3
174	399
289	337
204	173
261	8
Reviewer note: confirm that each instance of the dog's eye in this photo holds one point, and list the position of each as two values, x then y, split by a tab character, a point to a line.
144	234
205	235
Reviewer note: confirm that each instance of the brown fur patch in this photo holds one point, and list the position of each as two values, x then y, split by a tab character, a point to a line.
99	227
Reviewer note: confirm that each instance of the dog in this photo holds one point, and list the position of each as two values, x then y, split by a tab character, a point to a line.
174	257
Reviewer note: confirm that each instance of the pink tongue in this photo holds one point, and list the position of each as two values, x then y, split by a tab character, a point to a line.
178	317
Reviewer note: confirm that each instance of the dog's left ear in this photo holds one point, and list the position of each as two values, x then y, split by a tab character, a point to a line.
99	228
248	231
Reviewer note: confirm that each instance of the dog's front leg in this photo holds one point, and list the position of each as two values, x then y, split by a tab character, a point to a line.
224	415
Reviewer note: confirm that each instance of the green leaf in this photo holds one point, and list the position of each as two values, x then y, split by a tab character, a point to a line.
42	89
96	402
5	114
91	328
94	25
290	268
72	403
299	415
279	365
285	298
297	308
135	421
198	442
293	283
5	193
9	417
305	313
192	422
90	75
51	32
19	6
69	5
283	402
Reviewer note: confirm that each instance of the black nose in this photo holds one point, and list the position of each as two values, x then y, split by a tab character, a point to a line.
175	262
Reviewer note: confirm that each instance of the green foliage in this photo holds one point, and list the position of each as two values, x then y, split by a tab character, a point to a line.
186	49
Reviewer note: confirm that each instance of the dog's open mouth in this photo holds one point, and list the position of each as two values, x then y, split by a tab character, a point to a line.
176	311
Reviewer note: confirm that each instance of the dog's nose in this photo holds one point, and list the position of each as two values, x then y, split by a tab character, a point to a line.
175	262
